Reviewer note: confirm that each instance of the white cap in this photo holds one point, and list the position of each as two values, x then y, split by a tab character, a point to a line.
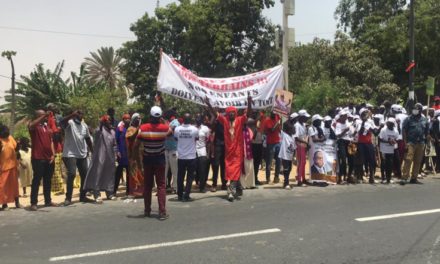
437	113
294	115
424	107
327	118
356	117
363	110
396	107
135	116
344	112
156	111
391	120
303	113
369	105
316	117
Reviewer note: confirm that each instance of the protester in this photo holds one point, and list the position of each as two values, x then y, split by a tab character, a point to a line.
388	142
415	131
42	158
287	149
365	130
122	154
257	146
272	128
76	140
202	163
218	155
247	179
171	156
25	166
186	136
101	173
234	151
53	122
344	138
135	175
301	139
8	169
152	137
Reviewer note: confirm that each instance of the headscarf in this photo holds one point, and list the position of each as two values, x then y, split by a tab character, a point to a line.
231	109
105	118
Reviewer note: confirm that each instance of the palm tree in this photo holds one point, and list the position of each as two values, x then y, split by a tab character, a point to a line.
8	54
104	66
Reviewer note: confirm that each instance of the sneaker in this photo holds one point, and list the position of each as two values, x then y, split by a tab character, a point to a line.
98	200
163	217
415	181
112	198
147	214
213	189
287	187
51	204
230	197
67	203
276	180
299	184
33	208
382	181
402	182
239	192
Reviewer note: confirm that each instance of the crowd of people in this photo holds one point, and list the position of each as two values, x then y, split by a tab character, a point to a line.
172	150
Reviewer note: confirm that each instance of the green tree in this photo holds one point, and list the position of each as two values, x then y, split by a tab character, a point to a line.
214	38
104	66
383	26
41	87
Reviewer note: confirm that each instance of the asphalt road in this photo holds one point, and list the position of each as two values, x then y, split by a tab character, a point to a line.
306	225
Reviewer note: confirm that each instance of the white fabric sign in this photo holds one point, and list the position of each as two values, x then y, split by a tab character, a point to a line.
176	80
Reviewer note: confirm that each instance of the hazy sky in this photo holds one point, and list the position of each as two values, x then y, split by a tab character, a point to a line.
110	20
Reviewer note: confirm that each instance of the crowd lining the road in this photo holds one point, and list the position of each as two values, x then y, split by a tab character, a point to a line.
171	151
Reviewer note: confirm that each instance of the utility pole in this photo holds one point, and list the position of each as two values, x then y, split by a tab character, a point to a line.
288	34
158	4
412	62
9	55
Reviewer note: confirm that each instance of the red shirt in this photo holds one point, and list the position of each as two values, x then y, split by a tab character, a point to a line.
41	141
365	139
153	138
272	137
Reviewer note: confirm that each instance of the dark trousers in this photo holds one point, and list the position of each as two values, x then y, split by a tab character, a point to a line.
43	169
367	150
257	153
185	167
218	162
388	159
154	171
287	168
344	157
272	153
71	165
118	176
202	171
397	164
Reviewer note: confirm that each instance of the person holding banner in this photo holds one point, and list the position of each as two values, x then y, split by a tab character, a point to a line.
234	154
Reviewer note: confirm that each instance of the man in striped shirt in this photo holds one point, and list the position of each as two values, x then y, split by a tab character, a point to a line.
152	137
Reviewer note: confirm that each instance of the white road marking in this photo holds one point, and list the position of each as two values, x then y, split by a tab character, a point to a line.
165	244
382	217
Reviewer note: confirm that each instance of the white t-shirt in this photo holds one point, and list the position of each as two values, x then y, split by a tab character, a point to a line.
186	136
386	134
301	131
287	146
75	135
201	142
341	127
369	124
402	118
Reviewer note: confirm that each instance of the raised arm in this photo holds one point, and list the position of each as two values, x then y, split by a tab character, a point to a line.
249	105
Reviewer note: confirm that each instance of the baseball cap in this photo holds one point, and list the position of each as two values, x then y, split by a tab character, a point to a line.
156	111
294	115
316	117
303	113
327	118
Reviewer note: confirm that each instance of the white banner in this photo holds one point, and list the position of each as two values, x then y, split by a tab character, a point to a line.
176	80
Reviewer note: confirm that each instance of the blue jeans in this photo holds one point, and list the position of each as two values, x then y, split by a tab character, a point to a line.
272	152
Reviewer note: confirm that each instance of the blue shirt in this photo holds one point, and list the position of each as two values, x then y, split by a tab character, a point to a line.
170	141
416	129
122	145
